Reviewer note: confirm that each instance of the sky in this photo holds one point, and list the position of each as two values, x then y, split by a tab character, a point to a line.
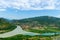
20	9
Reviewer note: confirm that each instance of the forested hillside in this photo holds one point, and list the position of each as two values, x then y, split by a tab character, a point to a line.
42	21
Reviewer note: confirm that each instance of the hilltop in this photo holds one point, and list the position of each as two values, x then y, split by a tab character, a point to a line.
42	21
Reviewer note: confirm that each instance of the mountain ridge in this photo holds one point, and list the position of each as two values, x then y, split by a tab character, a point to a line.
42	21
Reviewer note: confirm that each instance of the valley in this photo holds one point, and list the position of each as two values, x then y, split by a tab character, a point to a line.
46	27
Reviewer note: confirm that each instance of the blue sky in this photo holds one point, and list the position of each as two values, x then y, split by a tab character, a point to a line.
19	9
19	14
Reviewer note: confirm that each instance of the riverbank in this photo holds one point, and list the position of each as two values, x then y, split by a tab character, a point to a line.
17	31
27	37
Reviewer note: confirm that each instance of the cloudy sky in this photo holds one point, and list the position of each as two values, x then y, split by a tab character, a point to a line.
18	9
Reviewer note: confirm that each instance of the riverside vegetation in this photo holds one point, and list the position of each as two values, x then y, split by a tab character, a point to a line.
43	24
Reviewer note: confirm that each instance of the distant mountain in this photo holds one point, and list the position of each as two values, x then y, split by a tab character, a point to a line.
42	21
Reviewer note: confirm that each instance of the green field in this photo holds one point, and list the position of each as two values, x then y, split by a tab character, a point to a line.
46	30
26	37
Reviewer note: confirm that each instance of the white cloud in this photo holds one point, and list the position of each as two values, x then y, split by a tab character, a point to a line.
57	4
29	4
58	16
2	9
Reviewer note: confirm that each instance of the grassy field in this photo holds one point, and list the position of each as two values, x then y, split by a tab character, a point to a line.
46	30
26	37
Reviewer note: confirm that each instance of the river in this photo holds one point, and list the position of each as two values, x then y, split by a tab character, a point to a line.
19	30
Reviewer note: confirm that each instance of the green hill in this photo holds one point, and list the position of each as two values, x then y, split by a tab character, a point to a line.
40	24
39	21
6	25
